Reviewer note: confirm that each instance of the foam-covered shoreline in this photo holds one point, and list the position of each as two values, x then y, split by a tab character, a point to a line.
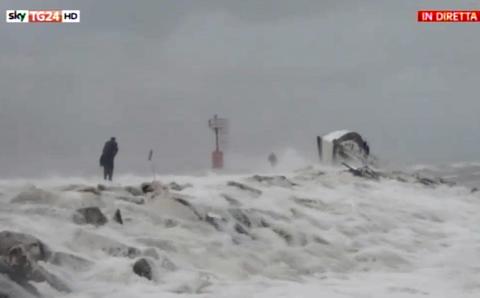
300	233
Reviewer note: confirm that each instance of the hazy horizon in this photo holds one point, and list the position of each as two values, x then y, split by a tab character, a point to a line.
152	73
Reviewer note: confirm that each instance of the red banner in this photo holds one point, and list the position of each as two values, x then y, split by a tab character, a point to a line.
448	16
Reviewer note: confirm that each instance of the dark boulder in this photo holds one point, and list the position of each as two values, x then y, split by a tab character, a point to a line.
90	215
147	187
10	289
283	234
240	217
215	220
178	187
426	181
245	187
365	172
143	268
19	254
17	268
240	229
281	181
134	191
118	217
230	200
432	181
122	251
35	248
310	203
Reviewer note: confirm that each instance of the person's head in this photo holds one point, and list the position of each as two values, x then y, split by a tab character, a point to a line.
112	139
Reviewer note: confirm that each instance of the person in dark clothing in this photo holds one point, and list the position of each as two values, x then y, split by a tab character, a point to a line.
272	159
106	160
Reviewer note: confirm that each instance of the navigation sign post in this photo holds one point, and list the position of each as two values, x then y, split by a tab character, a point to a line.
219	127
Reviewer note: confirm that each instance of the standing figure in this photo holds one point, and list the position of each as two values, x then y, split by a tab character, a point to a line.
272	159
106	160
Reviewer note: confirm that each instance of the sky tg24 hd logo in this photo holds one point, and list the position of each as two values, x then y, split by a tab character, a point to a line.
42	16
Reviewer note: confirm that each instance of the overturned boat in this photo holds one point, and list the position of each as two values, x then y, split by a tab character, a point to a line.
343	145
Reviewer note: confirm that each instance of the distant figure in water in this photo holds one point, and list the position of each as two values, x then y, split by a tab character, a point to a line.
106	160
272	159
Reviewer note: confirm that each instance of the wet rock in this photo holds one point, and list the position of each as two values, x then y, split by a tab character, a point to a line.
243	223
474	190
90	215
435	181
39	274
320	240
400	178
240	216
231	200
11	289
19	254
35	196
309	173
170	223
240	229
179	187
310	203
35	248
73	262
283	234
245	187
446	182
365	172
426	181
190	206
122	251
16	277
264	223
274	180
134	191
147	187
118	217
215	220
101	187
82	188
272	214
142	268
87	240
416	178
155	189
132	199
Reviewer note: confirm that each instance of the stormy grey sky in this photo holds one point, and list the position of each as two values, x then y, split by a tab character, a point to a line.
151	73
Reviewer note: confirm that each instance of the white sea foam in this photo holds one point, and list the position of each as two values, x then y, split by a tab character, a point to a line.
312	234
